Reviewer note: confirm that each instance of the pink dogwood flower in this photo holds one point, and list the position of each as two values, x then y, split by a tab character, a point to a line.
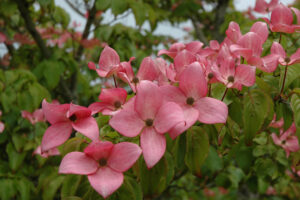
2	126
103	163
261	6
111	101
36	116
149	115
191	96
63	118
283	59
287	140
51	152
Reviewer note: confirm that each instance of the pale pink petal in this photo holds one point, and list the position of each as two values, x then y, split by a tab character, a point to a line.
282	15
148	100
99	149
38	115
277	49
106	181
113	95
261	29
233	32
127	121
211	110
192	81
56	135
245	74
77	163
292	144
123	156
241	51
173	94
190	115
88	127
276	140
183	59
214	44
270	63
153	145
174	49
108	62
169	115
147	70
251	41
194	46
79	111
55	113
295	57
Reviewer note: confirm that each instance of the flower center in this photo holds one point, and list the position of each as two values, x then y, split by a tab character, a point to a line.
102	162
210	75
230	79
117	104
149	122
287	59
73	118
135	80
283	142
190	100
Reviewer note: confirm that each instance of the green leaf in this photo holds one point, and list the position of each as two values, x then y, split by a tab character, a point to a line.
73	144
118	6
139	12
258	107
235	175
197	148
130	189
53	72
8	189
295	104
179	151
213	162
70	185
15	159
292	74
24	186
102	4
51	190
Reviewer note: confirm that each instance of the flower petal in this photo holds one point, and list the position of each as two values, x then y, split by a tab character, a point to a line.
88	127
147	70
211	110
106	181
109	59
245	74
261	29
277	49
112	95
79	111
56	135
99	149
123	156
55	113
127	121
77	163
153	145
99	107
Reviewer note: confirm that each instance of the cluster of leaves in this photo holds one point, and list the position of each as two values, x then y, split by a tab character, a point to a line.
235	160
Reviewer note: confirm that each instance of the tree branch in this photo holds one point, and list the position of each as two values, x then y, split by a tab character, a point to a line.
75	8
23	8
219	19
199	33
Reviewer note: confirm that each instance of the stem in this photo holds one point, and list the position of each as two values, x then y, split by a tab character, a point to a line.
279	38
242	60
285	72
115	81
224	94
209	89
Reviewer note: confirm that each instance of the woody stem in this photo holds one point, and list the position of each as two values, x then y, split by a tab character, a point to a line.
224	94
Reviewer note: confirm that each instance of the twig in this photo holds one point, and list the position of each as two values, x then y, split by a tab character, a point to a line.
75	8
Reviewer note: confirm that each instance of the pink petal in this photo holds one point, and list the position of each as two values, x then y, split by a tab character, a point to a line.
106	181
123	156
148	100
270	63
214	44
147	70
113	95
167	117
211	110
282	15
191	115
173	51
245	74
79	111
194	46
233	32
261	29
192	81
153	145
251	41
2	127
99	107
183	59
88	127
127	121
98	149
38	115
283	28
77	163
55	113
173	94
292	144
92	66
55	135
276	140
108	62
260	6
277	49
297	12
241	51
295	58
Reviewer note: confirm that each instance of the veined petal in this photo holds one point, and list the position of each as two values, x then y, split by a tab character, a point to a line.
127	121
275	138
123	156
277	49
261	29
55	113
153	145
147	70
211	110
109	59
99	107
88	127
282	15
173	94
106	181
251	41
169	115
112	95
194	46
56	135
283	28
245	74
295	58
99	149
79	111
270	63
233	32
77	163
183	59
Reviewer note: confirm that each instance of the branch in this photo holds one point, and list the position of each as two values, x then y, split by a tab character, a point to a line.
23	8
199	33
219	19
75	8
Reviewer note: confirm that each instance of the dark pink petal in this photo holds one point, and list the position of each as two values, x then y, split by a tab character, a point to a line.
148	100
55	135
79	111
106	181
211	110
108	62
173	51
169	115
88	127
113	95
190	115
261	29
92	66
192	81
99	107
123	156
245	74
295	58
55	113
261	6
233	32
283	28
127	121
292	144
98	149
77	163
183	59
153	145
147	70
214	44
282	15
